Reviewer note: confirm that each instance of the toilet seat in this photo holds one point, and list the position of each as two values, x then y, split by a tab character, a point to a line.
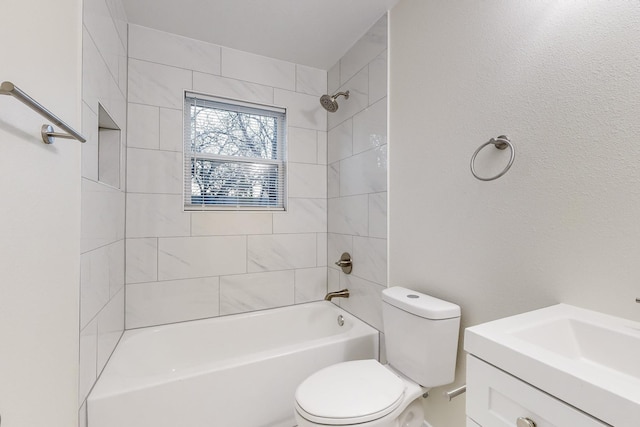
349	393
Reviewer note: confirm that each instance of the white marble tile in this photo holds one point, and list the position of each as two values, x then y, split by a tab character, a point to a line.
340	142
157	215
312	81
143	126
378	215
230	223
116	261
89	148
303	111
333	180
333	78
378	78
171	130
322	148
99	23
95	74
171	49
82	416
191	257
311	284
154	171
302	216
358	88
364	173
232	88
333	282
102	214
88	354
110	328
302	145
119	18
321	244
349	215
365	50
365	299
141	260
95	283
258	69
172	301
370	127
371	256
257	291
337	244
281	252
307	181
123	74
156	84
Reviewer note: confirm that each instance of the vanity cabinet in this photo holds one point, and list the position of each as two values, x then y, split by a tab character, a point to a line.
498	399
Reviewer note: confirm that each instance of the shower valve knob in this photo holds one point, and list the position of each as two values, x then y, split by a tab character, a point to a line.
345	263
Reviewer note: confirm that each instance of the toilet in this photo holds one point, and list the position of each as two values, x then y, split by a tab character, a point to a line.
421	334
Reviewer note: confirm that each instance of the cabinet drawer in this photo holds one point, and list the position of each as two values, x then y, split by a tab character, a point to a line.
497	399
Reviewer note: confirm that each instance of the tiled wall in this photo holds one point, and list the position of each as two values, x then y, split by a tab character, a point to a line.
357	174
104	66
188	265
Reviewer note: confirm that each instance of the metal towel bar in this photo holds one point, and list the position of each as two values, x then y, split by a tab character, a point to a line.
47	132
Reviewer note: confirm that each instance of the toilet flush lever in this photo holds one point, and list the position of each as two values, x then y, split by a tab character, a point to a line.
345	263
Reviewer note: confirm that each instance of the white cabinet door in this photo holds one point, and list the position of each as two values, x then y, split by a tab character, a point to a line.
497	399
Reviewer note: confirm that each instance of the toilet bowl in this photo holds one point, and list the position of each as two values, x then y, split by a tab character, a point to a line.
421	335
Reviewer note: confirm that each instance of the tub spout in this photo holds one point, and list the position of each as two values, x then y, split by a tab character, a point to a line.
343	293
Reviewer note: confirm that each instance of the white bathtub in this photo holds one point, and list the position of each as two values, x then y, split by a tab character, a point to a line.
232	371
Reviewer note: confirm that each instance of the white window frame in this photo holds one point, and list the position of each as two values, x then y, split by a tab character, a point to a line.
280	162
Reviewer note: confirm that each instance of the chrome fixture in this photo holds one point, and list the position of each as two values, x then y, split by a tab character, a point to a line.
345	263
329	102
340	320
500	143
455	392
343	293
47	132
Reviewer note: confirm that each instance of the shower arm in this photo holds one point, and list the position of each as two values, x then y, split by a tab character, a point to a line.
345	94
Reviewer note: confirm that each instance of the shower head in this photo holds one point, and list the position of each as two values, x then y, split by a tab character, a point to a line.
329	103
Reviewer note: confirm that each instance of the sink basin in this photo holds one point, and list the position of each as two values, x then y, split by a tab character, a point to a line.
587	359
603	348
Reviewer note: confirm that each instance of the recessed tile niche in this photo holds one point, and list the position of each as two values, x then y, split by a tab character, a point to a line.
109	137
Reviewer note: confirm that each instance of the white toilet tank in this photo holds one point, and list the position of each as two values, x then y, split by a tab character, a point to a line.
421	335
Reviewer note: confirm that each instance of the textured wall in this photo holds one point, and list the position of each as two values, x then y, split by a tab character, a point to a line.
562	80
357	174
189	265
104	82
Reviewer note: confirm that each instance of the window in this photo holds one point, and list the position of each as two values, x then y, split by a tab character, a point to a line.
234	155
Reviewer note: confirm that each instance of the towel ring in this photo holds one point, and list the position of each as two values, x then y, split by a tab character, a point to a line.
500	143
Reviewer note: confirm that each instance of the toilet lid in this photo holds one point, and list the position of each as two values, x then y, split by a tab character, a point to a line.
349	393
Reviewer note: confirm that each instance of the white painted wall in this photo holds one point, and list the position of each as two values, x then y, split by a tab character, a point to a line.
39	217
562	80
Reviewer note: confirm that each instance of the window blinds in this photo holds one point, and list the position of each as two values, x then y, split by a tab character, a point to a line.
234	155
